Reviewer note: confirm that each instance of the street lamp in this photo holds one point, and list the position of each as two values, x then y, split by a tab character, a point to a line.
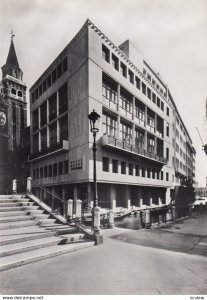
93	117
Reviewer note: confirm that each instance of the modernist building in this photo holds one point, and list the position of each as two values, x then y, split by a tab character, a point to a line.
13	95
137	154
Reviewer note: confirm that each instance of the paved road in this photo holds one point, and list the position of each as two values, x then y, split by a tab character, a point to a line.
117	267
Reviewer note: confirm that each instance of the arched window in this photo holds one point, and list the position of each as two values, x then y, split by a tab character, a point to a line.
13	91
19	93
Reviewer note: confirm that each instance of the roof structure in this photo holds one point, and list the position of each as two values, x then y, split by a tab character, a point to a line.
12	57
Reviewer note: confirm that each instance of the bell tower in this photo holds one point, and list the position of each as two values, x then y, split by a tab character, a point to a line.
13	115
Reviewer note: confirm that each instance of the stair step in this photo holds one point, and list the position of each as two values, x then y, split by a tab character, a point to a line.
25	236
13	201
16	260
11	225
72	237
8	209
65	231
6	219
16	204
24	246
12	214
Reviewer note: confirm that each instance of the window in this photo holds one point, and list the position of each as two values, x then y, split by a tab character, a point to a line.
105	162
153	174
55	170
167	130
53	107
60	168
167	176
19	93
153	81
53	133
131	169
64	128
143	88
105	53
45	171
151	122
44	85
59	70
109	91
115	62
54	76
63	98
150	144
137	170
114	166
168	111
149	77
131	76
37	173
43	136
109	125
149	93
126	133
138	83
144	72
41	172
34	174
153	98
13	91
139	113
162	106
167	153
143	171
148	173
158	102
126	104
161	173
43	114
123	167
65	64
50	170
139	139
49	81
40	90
66	166
123	69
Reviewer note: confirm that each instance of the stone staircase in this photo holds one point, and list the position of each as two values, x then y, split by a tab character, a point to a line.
29	234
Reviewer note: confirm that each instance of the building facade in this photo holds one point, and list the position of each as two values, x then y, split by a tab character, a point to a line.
136	142
15	116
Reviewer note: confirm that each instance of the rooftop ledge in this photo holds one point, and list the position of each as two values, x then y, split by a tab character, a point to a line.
53	149
108	141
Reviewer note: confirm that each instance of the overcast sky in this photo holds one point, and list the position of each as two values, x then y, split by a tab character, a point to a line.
170	34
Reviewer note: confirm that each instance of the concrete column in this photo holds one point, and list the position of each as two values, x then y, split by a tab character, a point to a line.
75	192
58	131
145	140
112	196
133	134
140	203
145	116
155	148
159	201
147	219
14	186
151	202
78	209
128	197
133	107
29	185
48	137
173	213
47	111
57	103
118	96
155	123
110	165
69	210
97	219
64	203
111	219
118	128
90	195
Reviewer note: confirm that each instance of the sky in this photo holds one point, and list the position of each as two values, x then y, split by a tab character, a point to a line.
171	35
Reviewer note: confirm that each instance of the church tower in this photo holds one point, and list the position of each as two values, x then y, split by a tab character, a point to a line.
14	118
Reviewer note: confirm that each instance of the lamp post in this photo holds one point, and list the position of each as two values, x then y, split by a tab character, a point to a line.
93	117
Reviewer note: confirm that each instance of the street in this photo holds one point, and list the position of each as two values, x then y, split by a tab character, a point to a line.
166	261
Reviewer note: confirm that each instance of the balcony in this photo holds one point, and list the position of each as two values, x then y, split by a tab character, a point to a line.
53	149
112	142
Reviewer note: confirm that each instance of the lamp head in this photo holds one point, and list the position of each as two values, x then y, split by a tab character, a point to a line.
93	117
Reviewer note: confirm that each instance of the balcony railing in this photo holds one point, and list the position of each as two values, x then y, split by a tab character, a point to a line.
122	145
61	146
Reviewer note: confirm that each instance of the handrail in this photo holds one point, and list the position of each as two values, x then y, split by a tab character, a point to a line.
49	192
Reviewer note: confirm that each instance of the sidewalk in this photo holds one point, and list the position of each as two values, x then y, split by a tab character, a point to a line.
122	265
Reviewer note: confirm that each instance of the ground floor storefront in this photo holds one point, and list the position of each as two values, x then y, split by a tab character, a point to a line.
109	195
